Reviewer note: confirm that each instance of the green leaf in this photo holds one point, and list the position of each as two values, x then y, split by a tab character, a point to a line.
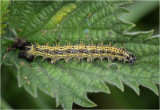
139	9
96	21
4	4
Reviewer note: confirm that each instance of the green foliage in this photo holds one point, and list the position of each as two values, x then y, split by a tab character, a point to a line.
4	11
96	21
139	10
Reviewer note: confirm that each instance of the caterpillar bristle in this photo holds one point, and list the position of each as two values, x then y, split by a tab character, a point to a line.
115	45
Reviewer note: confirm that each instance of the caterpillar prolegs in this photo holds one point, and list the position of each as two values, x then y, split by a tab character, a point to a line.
79	52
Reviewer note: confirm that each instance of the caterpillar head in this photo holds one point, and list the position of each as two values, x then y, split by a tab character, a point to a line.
23	45
20	45
24	55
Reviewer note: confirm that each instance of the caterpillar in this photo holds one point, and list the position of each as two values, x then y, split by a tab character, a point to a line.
67	52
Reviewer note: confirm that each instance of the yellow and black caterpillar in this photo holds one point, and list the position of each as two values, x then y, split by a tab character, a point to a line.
79	52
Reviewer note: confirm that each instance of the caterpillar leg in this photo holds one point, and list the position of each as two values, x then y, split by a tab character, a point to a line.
90	59
53	61
79	59
101	58
66	60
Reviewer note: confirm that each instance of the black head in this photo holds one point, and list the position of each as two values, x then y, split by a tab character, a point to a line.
22	55
21	45
25	56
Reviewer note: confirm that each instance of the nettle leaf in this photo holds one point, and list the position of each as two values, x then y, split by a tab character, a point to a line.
47	22
4	4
